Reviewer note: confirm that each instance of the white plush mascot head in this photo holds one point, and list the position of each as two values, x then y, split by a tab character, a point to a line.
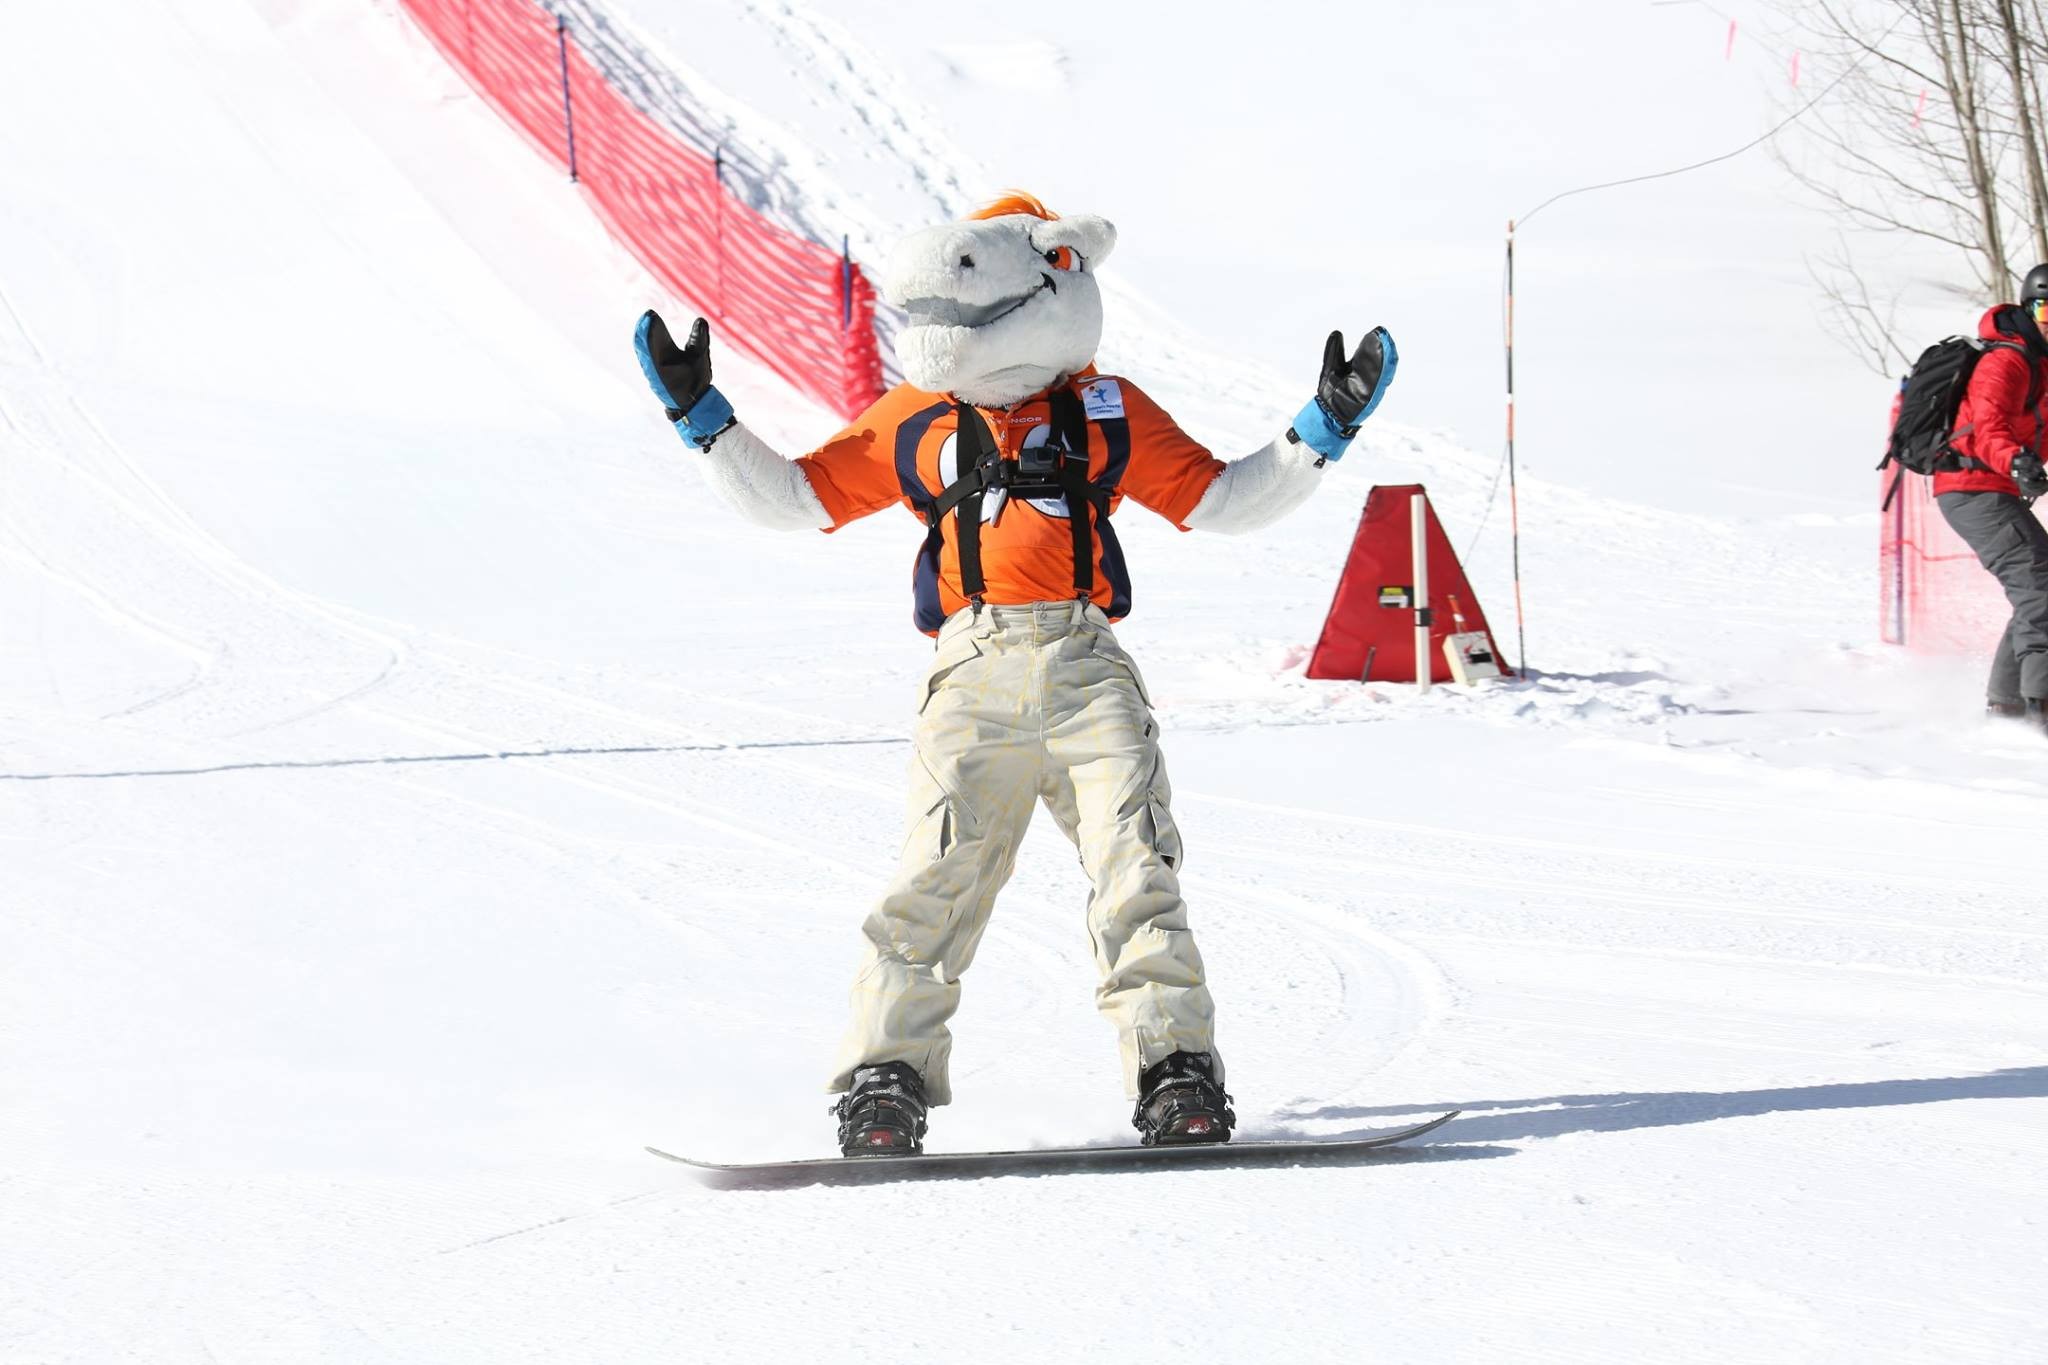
1002	304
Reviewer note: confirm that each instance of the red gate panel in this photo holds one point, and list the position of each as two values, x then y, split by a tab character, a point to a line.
1369	635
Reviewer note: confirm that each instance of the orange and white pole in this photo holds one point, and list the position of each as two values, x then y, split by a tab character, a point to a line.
1514	493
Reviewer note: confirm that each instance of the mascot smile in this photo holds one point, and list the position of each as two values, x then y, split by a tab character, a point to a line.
1029	697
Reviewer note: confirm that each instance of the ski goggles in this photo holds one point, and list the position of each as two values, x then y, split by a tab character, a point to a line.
2038	310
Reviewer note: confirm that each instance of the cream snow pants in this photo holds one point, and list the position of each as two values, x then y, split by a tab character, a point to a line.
1025	704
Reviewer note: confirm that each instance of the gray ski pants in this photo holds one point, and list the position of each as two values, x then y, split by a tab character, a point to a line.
1023	705
2013	545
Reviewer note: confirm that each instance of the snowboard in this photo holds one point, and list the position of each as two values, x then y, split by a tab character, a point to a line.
1277	1152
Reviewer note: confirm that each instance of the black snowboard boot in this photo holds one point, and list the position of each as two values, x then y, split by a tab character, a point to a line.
883	1112
2037	714
2005	710
1179	1101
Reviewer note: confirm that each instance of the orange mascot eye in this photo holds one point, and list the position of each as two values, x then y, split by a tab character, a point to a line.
1063	258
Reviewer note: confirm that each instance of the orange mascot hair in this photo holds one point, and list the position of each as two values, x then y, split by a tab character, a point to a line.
1013	201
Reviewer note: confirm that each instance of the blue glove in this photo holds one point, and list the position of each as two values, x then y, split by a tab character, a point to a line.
1346	393
681	379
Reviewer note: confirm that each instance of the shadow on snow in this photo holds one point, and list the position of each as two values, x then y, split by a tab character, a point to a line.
1556	1115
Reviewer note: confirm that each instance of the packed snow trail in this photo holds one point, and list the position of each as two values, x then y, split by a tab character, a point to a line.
329	1040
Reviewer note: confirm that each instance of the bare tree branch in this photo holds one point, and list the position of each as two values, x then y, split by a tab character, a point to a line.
1935	135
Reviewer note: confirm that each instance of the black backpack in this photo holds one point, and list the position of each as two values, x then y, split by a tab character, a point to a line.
1929	398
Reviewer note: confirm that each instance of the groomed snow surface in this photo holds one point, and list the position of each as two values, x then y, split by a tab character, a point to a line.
417	792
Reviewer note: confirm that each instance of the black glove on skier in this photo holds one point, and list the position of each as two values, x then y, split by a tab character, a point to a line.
2028	474
1351	389
1346	393
681	379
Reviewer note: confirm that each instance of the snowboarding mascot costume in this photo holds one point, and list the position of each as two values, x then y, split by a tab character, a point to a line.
1015	454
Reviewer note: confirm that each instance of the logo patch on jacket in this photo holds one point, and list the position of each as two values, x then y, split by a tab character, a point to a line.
1102	399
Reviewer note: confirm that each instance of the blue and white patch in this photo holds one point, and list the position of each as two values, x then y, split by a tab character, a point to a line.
1102	399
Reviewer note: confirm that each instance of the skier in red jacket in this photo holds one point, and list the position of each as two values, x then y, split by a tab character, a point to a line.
1989	497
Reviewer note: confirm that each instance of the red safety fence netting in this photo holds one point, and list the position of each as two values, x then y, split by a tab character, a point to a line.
800	308
1933	595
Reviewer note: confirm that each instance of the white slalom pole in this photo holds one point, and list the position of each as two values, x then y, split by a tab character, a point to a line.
1418	523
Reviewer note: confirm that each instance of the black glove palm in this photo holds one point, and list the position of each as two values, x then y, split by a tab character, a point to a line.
1347	388
2028	474
678	377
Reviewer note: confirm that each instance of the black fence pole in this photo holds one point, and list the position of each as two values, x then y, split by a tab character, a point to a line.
1899	567
718	231
568	114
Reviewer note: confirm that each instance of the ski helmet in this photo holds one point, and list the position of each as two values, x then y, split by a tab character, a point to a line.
2034	288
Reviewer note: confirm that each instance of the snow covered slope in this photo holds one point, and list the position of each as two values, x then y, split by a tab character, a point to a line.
416	792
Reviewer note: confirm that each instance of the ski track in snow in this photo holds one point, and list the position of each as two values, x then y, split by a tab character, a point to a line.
122	545
1723	932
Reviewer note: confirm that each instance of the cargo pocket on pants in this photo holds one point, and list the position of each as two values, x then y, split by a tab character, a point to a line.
1161	834
934	833
2004	548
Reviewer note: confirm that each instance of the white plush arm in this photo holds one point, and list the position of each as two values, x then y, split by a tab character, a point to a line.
1259	489
760	484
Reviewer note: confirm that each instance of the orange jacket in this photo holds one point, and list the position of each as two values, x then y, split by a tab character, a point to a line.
902	450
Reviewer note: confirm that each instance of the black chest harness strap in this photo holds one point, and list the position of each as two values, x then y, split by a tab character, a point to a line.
983	468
